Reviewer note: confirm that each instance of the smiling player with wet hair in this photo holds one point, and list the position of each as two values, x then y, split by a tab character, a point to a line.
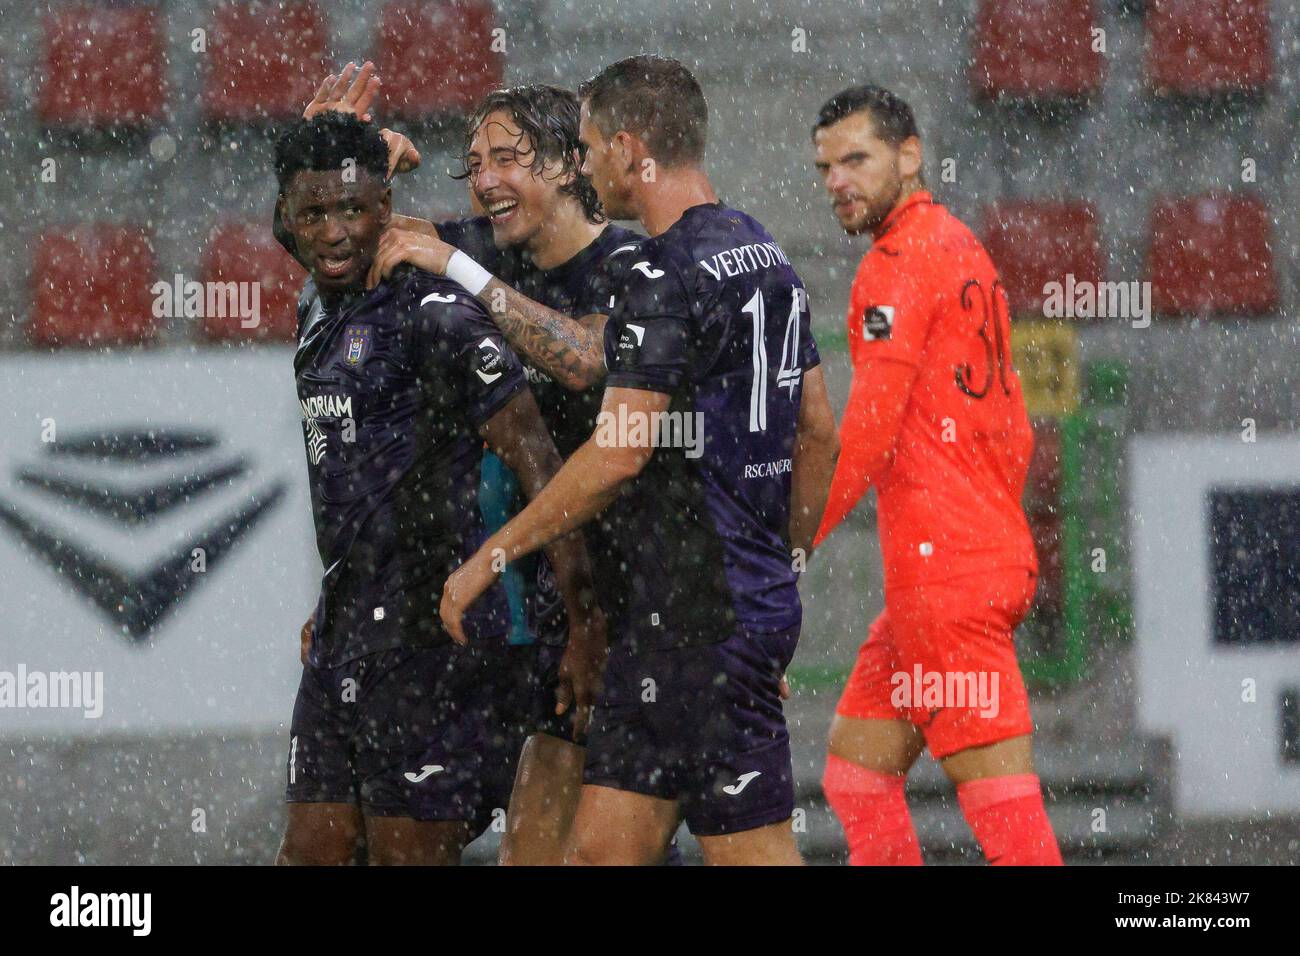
710	318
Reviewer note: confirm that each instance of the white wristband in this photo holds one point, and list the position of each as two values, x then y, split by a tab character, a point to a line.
464	270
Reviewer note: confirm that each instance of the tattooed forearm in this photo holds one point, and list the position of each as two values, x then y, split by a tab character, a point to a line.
571	351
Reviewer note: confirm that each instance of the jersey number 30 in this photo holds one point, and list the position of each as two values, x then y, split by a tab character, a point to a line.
788	373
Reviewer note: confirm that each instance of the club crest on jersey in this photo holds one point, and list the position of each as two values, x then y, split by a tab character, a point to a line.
877	322
357	347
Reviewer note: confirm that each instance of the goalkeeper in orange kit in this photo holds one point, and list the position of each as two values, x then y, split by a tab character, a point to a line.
936	423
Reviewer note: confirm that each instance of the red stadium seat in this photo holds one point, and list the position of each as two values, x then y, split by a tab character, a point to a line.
238	252
1198	47
1039	50
1035	242
436	59
266	60
103	66
92	286
1211	254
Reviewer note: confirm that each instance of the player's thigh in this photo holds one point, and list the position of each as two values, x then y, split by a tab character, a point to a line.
886	746
955	642
543	802
1001	759
320	834
319	767
425	734
737	774
620	828
869	729
771	845
401	841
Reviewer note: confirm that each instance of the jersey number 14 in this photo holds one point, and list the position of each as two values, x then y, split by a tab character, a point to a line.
789	372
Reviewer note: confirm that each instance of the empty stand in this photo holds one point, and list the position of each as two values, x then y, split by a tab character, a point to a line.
243	253
266	60
1211	254
1035	50
92	286
436	59
1034	242
102	66
1200	47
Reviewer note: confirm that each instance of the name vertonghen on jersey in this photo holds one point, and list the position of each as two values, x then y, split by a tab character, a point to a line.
742	259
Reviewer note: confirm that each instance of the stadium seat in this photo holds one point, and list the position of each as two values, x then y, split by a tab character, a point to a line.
1198	47
1034	242
1041	50
102	66
266	60
92	286
238	252
435	59
1211	254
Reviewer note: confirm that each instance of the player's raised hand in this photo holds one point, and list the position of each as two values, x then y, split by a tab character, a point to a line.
304	638
402	154
399	245
352	91
582	668
464	586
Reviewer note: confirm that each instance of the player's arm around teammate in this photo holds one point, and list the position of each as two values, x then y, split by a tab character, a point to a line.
570	350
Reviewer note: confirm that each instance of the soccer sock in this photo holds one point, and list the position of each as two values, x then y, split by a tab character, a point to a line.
1009	820
873	811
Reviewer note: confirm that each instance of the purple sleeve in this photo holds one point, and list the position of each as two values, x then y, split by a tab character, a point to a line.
458	337
648	336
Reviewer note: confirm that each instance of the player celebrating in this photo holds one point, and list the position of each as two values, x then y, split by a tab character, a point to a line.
547	237
709	331
398	385
936	422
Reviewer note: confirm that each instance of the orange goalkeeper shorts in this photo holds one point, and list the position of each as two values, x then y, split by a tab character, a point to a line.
942	657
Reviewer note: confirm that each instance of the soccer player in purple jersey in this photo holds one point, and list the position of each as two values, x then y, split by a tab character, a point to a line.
710	461
400	386
544	233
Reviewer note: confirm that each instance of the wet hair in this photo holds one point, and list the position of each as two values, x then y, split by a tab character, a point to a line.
324	142
548	116
890	115
655	98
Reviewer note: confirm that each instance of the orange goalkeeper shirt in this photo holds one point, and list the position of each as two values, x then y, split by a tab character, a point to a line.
941	427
